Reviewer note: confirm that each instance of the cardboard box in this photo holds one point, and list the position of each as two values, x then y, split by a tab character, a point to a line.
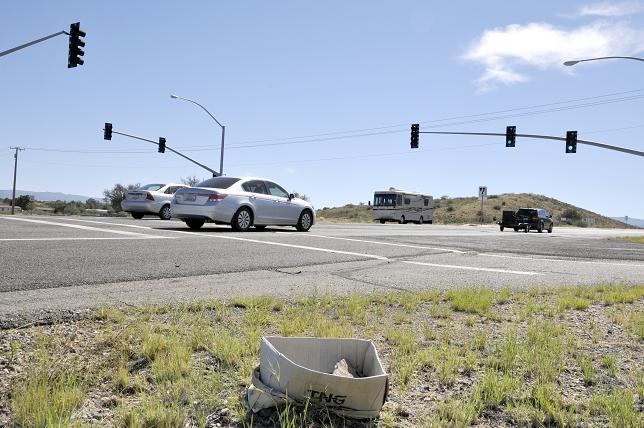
299	369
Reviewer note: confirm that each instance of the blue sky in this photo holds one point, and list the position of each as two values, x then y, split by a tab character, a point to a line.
283	71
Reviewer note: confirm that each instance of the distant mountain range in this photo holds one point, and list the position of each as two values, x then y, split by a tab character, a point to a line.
637	222
49	196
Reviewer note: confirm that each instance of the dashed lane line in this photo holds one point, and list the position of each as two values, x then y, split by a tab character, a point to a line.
78	226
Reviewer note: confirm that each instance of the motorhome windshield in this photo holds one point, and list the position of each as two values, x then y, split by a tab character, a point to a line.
384	200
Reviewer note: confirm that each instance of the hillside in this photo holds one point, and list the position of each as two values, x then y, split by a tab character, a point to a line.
48	196
466	210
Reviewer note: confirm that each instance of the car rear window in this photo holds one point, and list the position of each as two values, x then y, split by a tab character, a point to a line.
151	187
219	182
523	211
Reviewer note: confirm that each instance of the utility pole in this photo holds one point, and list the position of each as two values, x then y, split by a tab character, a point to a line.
15	170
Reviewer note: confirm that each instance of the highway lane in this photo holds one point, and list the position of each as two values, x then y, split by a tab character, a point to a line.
90	254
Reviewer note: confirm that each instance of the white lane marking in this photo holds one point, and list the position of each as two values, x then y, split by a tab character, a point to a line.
371	256
111	223
78	226
559	260
422	247
516	272
281	244
124	238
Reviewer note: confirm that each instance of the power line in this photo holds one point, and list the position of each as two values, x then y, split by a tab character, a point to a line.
289	140
438	120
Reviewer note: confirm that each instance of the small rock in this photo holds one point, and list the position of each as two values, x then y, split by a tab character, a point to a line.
344	369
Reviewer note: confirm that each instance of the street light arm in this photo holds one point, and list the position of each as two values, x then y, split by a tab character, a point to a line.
570	63
204	108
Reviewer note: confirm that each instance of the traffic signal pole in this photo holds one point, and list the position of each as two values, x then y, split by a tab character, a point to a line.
214	173
543	137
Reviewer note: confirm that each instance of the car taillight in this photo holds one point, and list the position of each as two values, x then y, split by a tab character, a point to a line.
149	197
216	197
535	217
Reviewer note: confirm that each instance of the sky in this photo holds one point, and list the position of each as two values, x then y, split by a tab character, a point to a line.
319	96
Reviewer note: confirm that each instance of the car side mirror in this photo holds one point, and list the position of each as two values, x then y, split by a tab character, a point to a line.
291	196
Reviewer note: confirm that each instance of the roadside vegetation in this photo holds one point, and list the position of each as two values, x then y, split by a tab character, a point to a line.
635	239
467	211
570	356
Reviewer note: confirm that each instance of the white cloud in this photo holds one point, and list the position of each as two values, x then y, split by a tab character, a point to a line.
503	51
608	9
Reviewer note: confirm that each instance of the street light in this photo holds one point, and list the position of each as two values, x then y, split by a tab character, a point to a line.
571	63
223	129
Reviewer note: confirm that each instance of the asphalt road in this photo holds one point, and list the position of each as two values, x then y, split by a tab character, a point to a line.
73	262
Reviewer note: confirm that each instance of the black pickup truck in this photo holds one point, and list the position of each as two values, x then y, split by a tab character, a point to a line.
527	219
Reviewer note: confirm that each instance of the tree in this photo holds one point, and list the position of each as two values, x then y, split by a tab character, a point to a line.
191	181
25	202
115	195
302	196
92	203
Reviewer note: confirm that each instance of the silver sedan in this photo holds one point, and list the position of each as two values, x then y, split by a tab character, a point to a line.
241	202
150	199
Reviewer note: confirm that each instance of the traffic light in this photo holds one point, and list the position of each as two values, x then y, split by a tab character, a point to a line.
415	129
571	142
510	136
161	145
107	131
75	44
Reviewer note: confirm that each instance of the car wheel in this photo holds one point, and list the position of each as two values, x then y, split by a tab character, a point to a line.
420	221
242	220
305	222
195	223
165	213
501	227
402	220
137	216
540	228
550	228
382	222
516	229
260	226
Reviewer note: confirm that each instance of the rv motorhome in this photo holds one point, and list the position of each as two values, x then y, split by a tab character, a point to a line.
400	206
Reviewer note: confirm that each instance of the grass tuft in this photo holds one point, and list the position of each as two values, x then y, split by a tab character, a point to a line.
472	300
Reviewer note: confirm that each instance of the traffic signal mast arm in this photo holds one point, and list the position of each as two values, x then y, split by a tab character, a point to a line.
543	137
214	173
26	45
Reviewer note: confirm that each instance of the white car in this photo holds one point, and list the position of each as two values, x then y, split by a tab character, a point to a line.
150	199
241	202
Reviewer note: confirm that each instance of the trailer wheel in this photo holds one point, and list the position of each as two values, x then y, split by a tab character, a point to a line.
382	222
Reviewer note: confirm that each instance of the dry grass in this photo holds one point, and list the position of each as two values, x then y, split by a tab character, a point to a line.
484	357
